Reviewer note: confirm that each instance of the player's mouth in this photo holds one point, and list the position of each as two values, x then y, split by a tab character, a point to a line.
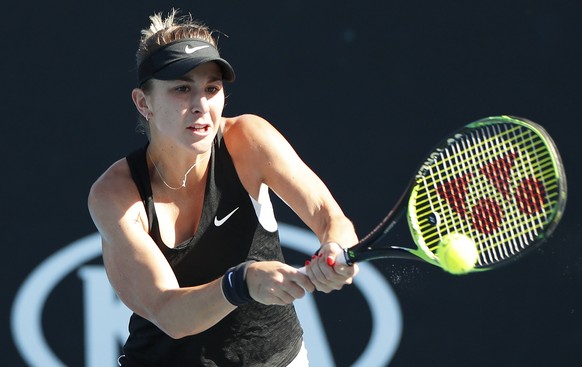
199	129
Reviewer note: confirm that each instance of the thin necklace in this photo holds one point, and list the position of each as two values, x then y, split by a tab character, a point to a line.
164	181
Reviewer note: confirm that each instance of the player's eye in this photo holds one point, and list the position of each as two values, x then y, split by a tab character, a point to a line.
213	89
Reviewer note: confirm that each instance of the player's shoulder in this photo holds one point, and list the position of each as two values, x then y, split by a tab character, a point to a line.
114	183
242	123
244	130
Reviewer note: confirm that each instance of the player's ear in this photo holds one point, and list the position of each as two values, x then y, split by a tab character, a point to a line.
141	102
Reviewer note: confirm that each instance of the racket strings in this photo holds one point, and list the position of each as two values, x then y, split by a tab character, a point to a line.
496	184
504	167
488	213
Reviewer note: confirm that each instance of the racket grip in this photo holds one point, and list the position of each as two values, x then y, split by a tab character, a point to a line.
339	260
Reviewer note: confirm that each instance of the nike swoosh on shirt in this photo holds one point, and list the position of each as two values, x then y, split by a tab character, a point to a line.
219	222
191	50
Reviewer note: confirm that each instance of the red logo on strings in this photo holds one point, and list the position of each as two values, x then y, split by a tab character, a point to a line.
487	214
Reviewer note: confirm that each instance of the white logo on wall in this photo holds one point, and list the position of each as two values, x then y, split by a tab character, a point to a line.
106	317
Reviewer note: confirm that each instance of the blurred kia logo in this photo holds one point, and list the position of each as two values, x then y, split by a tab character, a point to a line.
104	317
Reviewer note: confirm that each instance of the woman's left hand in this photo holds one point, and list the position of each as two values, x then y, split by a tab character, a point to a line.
326	273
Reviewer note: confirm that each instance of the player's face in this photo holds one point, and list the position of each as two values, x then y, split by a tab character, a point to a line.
188	110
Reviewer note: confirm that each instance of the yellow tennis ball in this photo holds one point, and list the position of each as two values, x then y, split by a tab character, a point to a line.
457	253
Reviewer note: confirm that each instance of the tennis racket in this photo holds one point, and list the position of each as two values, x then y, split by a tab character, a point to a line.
499	180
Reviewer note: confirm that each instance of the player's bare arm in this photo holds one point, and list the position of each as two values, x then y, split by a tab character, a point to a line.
138	270
262	155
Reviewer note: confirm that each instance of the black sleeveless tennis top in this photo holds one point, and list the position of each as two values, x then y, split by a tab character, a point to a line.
251	335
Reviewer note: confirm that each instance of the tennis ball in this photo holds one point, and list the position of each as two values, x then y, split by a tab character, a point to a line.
457	253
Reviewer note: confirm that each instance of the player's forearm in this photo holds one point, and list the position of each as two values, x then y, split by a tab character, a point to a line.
189	311
337	228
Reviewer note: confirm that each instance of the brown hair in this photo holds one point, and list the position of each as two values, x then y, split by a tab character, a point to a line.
172	28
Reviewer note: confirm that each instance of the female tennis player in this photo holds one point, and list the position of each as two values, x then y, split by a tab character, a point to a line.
190	242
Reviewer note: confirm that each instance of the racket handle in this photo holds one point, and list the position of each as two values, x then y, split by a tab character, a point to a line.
339	260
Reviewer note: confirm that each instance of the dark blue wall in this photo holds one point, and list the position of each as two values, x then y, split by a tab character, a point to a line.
362	89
